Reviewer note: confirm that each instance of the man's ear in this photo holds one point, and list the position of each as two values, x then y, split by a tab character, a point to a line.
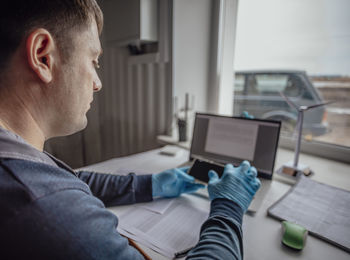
40	50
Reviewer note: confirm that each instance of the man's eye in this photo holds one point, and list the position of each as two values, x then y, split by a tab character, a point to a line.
97	66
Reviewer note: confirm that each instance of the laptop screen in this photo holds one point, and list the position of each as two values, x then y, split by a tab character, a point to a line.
225	139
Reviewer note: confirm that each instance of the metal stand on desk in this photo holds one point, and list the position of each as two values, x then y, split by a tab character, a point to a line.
295	168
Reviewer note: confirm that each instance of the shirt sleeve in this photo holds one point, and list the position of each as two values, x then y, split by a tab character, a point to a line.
221	233
116	190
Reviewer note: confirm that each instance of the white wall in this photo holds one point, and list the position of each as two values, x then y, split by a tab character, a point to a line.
203	48
191	43
220	89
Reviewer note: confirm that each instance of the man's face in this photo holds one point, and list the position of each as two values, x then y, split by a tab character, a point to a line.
76	81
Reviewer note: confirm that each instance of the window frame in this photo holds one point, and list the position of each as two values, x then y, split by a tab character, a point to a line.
326	150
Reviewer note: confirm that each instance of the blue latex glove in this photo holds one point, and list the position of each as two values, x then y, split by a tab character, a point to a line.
238	184
173	182
245	114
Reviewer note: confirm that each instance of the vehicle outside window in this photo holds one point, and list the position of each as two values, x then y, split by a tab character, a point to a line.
259	93
302	49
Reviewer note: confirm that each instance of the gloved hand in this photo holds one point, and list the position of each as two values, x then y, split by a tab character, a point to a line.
173	182
238	184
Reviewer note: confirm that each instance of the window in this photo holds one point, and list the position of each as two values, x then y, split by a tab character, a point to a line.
239	84
271	85
299	49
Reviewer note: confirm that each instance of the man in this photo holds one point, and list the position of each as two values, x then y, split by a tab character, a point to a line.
48	58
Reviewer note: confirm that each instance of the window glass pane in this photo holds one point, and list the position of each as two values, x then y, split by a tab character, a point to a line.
306	60
338	113
239	85
271	84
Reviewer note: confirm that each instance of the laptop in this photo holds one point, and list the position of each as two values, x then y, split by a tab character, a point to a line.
219	140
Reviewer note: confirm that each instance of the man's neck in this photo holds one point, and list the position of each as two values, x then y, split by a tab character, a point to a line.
33	136
19	120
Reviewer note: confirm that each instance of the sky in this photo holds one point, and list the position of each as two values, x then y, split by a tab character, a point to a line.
311	35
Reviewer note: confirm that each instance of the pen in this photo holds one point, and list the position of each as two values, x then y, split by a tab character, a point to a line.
182	253
133	244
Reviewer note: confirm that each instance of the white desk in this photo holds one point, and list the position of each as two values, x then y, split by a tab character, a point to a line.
261	234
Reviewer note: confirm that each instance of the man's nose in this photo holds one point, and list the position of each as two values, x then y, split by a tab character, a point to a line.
97	84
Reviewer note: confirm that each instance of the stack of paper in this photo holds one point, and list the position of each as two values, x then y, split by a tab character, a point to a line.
166	226
322	209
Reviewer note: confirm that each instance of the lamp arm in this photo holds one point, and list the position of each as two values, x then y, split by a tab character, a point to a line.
298	143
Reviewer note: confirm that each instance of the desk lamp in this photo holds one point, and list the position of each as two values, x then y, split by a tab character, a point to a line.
293	168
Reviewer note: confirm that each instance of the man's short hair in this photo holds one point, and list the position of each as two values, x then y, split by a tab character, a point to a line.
61	18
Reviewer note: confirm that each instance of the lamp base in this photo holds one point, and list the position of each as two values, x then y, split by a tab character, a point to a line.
288	169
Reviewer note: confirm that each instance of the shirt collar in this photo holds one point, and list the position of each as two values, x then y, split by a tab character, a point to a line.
15	147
